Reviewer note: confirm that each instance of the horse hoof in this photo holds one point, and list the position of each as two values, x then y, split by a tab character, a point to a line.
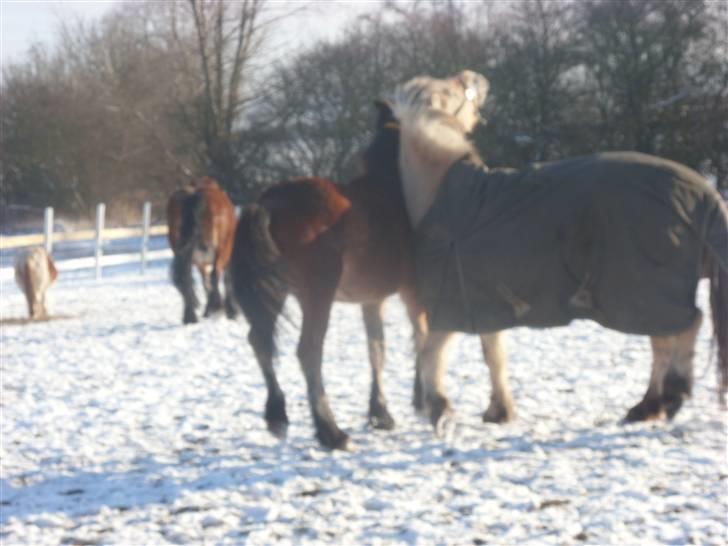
275	416
647	410
382	421
279	429
334	440
498	414
445	426
189	318
671	406
439	408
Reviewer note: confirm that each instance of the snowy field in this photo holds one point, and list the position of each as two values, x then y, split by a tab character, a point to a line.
121	426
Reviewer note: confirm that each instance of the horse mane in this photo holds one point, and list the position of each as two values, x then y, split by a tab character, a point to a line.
430	142
438	137
207	182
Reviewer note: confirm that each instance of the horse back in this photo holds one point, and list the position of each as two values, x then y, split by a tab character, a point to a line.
303	209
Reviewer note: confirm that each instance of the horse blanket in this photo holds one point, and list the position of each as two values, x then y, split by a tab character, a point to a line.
619	238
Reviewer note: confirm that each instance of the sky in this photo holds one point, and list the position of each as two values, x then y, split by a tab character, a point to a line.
24	22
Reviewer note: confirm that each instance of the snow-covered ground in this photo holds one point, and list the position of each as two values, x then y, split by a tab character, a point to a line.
121	426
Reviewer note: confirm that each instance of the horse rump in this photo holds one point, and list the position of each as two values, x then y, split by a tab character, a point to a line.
35	272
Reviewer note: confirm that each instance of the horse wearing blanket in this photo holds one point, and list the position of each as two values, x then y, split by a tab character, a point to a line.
620	238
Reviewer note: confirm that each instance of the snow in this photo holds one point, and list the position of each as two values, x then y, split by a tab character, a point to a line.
121	426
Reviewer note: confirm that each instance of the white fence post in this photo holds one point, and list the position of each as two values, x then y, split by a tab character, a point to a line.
100	215
146	220
48	229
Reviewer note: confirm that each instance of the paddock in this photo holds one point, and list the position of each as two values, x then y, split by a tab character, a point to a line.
120	425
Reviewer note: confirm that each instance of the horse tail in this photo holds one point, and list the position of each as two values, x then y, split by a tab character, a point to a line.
717	243
192	208
52	271
258	282
719	310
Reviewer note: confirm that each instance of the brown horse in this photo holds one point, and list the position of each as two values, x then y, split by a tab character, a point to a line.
35	272
201	222
324	242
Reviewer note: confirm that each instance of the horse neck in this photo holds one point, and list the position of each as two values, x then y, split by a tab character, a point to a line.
428	147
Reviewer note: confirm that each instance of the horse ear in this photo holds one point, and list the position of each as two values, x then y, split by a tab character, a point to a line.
476	81
384	111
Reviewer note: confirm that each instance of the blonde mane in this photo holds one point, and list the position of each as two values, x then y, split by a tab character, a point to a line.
434	126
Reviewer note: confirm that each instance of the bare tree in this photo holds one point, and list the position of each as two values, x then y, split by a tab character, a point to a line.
229	38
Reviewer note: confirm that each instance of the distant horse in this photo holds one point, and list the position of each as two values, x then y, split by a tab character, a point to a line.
323	242
620	238
201	222
35	272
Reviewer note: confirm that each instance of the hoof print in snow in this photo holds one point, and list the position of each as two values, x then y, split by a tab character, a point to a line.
186	509
550	503
310	492
76	541
72	492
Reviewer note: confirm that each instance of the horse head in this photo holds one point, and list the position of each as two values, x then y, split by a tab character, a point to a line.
460	97
436	117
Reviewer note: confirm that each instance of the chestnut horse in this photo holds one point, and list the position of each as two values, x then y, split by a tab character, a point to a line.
323	242
35	272
201	222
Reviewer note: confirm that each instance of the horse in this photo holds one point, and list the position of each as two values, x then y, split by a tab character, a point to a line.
620	238
323	242
201	227
35	272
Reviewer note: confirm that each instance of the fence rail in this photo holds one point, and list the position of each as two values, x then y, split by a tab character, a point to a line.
98	235
16	241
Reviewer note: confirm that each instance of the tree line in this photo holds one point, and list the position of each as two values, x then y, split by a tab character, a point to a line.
128	108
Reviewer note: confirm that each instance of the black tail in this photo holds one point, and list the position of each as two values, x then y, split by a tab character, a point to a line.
256	268
189	235
717	243
719	309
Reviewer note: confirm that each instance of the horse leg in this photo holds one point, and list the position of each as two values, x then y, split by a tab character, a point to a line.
500	409
187	289
678	382
418	318
262	339
42	304
433	365
212	285
231	310
671	378
28	291
650	407
379	416
316	310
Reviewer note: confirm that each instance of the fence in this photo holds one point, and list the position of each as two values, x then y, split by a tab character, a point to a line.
98	235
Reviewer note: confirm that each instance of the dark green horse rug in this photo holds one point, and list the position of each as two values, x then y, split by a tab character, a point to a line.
620	238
